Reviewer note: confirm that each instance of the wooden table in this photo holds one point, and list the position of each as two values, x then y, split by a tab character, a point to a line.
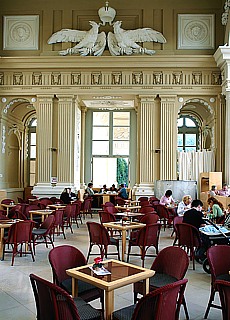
123	227
43	213
4	224
8	207
129	208
105	196
57	206
122	274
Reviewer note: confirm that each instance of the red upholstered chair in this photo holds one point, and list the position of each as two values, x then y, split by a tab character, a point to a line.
224	290
143	199
176	220
107	217
170	265
189	239
147	209
68	213
110	209
165	214
54	303
73	258
45	201
144	203
119	201
19	235
99	236
161	304
147	237
109	204
44	233
219	262
149	218
87	207
58	227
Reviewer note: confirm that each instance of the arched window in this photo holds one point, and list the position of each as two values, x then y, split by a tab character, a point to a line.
188	134
32	152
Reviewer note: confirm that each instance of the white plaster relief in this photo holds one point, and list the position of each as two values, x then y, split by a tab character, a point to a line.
3	139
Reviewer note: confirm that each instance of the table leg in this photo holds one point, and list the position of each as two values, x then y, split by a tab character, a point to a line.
146	286
7	211
1	242
123	245
74	287
109	304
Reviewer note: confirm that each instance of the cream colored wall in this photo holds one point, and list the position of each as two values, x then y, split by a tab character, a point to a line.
168	60
160	15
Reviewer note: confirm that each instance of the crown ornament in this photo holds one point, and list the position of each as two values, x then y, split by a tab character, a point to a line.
106	14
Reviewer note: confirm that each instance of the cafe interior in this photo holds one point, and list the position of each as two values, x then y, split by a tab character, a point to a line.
112	92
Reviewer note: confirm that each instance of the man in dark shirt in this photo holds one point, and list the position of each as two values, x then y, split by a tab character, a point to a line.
194	215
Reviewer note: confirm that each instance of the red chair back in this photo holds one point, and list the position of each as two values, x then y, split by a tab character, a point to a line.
7	201
162	303
219	260
147	209
111	209
172	261
52	302
73	258
106	217
149	218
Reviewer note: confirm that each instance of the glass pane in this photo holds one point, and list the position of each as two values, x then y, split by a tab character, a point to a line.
180	122
180	139
190	139
100	133
121	118
32	179
100	118
121	148
190	148
107	175
100	147
33	152
33	138
121	133
189	123
33	123
32	166
180	148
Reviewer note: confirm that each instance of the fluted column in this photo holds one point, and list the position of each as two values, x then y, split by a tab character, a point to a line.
82	156
44	111
168	137
66	139
148	144
227	140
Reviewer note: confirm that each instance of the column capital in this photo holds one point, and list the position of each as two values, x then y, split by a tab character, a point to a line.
65	97
45	98
168	97
147	98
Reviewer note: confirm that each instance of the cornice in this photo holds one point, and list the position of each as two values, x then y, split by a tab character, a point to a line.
76	62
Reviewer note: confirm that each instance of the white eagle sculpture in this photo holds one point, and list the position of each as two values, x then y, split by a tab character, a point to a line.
124	41
89	42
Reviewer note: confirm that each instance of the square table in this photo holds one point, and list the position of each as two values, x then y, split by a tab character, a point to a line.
122	274
57	206
128	208
43	213
123	227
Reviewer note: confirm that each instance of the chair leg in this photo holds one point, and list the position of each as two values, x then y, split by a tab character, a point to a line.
90	248
209	303
185	308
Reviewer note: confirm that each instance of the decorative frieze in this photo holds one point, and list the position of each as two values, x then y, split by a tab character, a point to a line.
216	78
196	78
96	78
158	78
177	77
137	78
116	78
37	78
55	78
76	78
1	78
18	78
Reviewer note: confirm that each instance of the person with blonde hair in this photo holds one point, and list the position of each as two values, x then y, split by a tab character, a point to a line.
184	205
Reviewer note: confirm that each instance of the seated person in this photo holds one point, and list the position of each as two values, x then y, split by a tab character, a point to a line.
122	192
216	208
184	205
167	199
113	188
213	192
89	190
194	216
67	196
224	191
104	189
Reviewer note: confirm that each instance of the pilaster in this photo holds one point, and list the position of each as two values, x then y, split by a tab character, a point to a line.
168	137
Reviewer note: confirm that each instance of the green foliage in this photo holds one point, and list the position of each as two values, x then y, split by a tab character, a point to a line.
122	171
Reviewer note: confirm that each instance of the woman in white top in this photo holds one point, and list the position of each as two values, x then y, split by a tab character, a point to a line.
184	205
